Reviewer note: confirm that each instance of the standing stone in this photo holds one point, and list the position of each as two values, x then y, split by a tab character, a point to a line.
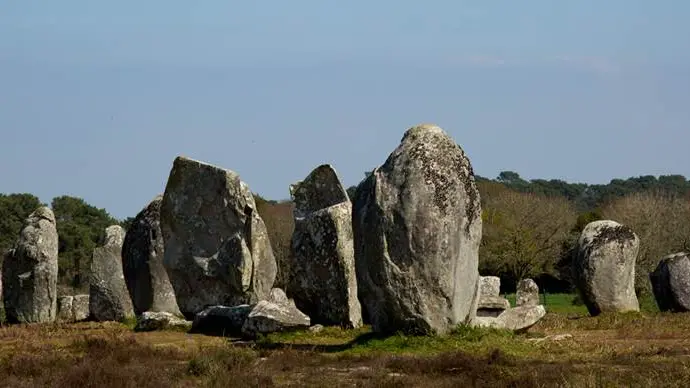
142	263
322	279
64	308
30	271
217	250
671	283
604	267
80	307
108	296
417	227
527	293
490	285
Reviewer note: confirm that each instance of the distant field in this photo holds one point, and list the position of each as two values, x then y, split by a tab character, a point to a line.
633	349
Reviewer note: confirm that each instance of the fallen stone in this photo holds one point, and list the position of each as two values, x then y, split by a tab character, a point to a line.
157	320
269	317
492	306
221	320
520	318
417	229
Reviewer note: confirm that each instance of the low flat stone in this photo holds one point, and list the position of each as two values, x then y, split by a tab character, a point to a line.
269	317
157	320
221	320
520	318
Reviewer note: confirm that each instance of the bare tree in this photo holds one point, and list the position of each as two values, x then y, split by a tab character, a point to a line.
523	233
660	220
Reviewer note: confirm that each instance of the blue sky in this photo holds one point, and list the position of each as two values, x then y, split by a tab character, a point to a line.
97	99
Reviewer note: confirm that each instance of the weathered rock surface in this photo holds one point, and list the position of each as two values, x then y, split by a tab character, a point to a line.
159	320
221	320
64	309
274	315
515	318
109	299
322	279
604	267
490	285
30	271
417	229
527	293
217	250
72	308
142	263
490	303
671	283
80	307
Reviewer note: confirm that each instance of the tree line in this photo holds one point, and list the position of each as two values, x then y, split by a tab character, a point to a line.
530	227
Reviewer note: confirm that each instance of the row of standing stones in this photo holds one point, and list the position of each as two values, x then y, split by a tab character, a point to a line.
402	256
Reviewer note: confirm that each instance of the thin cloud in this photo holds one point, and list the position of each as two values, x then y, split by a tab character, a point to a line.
596	64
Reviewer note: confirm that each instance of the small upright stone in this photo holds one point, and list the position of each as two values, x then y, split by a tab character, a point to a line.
417	228
604	267
109	299
671	283
64	309
490	285
321	271
527	293
142	263
30	271
217	250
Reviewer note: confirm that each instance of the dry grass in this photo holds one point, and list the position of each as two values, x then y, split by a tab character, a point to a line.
612	350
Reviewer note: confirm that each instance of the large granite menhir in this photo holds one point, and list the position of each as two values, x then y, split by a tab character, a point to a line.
604	267
671	283
30	271
142	262
417	228
321	269
217	250
109	299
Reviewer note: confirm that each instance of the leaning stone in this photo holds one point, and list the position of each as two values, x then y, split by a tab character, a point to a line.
217	250
604	267
156	320
417	229
520	318
142	263
671	283
490	285
29	276
109	299
527	293
322	279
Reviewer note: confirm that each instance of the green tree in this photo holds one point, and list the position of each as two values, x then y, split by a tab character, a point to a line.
80	228
14	209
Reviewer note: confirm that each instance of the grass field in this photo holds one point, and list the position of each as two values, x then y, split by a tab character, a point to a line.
635	349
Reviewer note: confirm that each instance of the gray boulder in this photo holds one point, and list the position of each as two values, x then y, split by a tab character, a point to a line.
80	307
30	271
217	250
322	279
417	228
527	293
671	283
142	263
278	314
72	308
604	267
490	286
109	299
516	318
221	320
158	320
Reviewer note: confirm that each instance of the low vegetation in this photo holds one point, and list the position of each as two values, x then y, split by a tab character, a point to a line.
636	349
